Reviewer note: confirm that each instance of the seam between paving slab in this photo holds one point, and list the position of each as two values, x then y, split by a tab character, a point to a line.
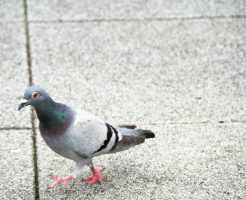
137	19
14	128
123	20
30	81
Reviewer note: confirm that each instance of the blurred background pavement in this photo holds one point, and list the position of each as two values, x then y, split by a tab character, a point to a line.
175	67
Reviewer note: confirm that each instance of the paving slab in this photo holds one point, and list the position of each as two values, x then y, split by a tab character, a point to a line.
202	161
13	76
11	11
16	167
163	71
138	9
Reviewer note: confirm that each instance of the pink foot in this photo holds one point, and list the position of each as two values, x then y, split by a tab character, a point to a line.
96	176
60	180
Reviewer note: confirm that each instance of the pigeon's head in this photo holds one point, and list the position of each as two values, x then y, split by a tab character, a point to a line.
34	96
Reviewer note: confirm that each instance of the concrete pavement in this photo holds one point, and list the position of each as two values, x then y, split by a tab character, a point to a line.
176	68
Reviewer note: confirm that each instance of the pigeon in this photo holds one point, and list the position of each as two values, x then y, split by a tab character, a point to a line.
78	135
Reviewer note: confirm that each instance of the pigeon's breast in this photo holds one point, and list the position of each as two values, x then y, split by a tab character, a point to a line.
60	143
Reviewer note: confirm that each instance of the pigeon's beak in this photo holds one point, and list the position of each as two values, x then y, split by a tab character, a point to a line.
23	103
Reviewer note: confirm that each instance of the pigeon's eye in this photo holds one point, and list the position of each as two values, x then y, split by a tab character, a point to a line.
35	95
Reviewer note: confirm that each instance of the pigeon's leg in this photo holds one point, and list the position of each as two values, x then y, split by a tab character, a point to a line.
60	180
96	175
77	173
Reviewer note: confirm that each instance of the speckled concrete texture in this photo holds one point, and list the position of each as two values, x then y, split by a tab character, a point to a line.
165	71
11	11
16	166
132	9
13	76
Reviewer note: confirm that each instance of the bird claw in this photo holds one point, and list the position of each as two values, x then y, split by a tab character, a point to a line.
60	180
96	177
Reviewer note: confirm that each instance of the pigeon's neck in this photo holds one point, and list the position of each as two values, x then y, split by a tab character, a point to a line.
54	117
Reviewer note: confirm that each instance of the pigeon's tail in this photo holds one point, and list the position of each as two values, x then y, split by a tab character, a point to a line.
146	133
131	136
130	130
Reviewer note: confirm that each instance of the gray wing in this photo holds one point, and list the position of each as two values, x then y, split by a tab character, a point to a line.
92	136
95	137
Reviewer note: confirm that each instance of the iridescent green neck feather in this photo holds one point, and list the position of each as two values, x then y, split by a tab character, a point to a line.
54	116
